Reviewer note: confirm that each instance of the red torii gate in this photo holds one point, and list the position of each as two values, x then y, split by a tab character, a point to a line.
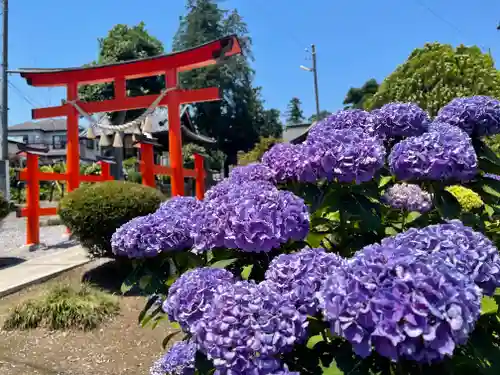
169	65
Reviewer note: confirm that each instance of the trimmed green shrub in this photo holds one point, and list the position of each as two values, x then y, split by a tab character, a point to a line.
469	200
94	212
4	207
64	307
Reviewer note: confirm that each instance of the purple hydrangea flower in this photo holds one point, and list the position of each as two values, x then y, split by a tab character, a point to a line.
179	360
248	323
298	276
436	155
401	120
470	252
137	238
284	160
449	130
348	155
252	217
492	176
260	366
408	197
179	205
342	120
406	306
252	172
168	229
476	115
221	189
190	296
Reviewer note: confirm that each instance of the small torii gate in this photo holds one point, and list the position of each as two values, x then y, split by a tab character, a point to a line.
169	65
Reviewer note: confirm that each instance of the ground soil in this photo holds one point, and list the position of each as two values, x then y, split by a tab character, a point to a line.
118	347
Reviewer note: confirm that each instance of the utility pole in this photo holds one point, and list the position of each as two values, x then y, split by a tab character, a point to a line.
314	70
4	116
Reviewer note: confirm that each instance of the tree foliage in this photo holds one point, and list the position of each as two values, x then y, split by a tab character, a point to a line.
255	154
234	120
359	97
124	43
294	112
271	125
435	74
323	114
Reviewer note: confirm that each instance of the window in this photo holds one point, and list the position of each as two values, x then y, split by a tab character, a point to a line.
25	139
58	142
90	144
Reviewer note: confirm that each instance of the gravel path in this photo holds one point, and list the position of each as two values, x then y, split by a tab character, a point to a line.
13	239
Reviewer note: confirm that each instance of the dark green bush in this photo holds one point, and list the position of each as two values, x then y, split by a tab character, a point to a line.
94	212
4	207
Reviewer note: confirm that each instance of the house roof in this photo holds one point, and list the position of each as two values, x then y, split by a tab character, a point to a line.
300	125
48	125
302	137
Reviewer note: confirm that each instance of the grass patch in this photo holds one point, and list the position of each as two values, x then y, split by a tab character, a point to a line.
64	307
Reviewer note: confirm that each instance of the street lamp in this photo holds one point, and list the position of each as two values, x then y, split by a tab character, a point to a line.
314	70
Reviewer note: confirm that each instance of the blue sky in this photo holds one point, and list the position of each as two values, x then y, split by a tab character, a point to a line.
356	40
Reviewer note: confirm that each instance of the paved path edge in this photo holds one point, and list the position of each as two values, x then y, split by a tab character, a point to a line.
40	279
52	270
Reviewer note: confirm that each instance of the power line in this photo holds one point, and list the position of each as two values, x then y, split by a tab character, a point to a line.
443	19
24	96
438	16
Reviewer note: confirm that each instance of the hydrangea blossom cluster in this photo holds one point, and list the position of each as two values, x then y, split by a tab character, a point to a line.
168	229
402	305
436	155
247	325
284	160
220	190
476	115
492	176
182	206
408	197
470	252
346	155
190	296
401	120
350	155
137	238
298	276
342	120
260	366
252	217
179	360
252	172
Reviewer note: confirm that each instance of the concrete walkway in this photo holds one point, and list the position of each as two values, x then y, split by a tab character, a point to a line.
40	269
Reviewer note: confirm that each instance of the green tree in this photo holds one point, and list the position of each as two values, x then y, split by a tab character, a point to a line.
322	114
125	43
232	121
273	127
294	112
359	97
435	74
255	154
